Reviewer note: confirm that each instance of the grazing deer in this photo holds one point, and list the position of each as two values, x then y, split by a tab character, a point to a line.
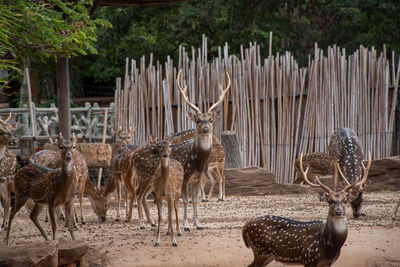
8	165
47	186
311	243
121	171
347	155
318	164
194	154
52	159
167	186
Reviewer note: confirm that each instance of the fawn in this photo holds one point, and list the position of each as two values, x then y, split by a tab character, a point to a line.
167	186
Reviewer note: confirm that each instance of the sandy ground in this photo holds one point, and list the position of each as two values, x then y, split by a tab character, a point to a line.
373	240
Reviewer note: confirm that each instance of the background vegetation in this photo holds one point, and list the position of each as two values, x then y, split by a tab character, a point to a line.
296	26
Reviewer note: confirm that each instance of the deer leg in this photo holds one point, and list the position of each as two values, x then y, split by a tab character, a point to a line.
118	200
134	185
52	219
195	192
211	175
185	193
35	219
19	203
69	214
159	210
170	204
203	194
7	200
221	176
81	202
129	188
146	207
178	229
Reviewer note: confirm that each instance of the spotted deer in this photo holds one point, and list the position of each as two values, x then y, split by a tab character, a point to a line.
99	204
216	163
194	154
167	186
318	164
8	165
311	243
347	156
121	171
49	186
216	167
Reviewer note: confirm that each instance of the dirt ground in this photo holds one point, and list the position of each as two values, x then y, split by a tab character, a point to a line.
373	240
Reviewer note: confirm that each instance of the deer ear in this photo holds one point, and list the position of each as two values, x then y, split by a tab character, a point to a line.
215	115
190	115
352	195
153	139
322	196
366	186
14	126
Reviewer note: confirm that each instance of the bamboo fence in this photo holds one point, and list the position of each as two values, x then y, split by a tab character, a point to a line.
276	108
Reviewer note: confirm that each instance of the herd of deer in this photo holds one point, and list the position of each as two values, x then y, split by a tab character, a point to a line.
167	167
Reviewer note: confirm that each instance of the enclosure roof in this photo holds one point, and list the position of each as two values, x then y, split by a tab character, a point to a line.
134	2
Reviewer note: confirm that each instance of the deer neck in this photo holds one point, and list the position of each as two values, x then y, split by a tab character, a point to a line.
67	172
2	151
202	147
335	232
165	172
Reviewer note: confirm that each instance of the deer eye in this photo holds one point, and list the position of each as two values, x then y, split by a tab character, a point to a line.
330	201
345	201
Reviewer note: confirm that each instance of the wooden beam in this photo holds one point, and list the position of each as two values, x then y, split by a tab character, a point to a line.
135	2
63	99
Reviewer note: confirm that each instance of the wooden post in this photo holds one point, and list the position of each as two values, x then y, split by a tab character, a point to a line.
28	85
103	141
233	156
63	97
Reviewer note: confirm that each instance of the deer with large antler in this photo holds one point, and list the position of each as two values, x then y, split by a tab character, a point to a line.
311	243
49	186
216	163
194	154
346	154
8	166
121	171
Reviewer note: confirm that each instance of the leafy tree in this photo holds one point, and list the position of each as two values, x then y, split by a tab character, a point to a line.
43	30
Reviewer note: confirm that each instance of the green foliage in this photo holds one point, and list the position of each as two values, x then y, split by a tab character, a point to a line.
296	26
44	30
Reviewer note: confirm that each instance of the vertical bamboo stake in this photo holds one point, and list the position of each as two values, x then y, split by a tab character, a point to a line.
103	142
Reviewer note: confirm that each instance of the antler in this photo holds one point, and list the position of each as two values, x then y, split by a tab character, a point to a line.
341	173
74	140
5	121
223	92
364	179
319	185
184	94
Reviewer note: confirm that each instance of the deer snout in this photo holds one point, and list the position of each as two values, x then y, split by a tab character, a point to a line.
68	156
338	212
205	129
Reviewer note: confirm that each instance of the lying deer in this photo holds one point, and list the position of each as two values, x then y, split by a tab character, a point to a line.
318	164
347	156
49	186
311	243
121	171
8	166
167	186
